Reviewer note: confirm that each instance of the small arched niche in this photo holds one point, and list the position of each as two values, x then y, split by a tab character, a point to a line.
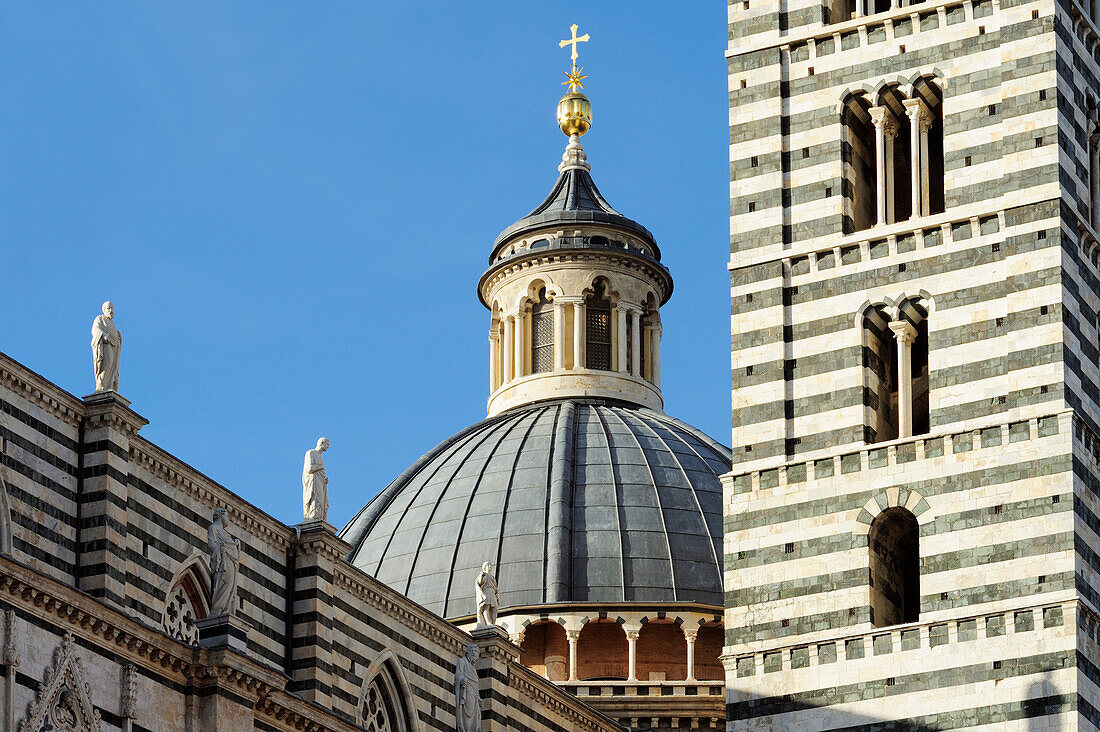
546	650
662	652
894	547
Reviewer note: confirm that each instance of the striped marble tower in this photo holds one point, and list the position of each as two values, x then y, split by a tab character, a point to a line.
912	522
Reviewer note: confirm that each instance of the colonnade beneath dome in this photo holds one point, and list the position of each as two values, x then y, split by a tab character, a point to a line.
645	651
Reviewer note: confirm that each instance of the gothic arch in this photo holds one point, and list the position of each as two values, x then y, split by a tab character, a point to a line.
64	699
386	699
187	599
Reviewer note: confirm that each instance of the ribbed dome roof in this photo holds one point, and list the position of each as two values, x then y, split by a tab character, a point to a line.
574	199
572	501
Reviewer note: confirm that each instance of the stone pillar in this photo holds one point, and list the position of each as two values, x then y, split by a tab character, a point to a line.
578	334
904	332
317	554
516	354
879	119
655	339
522	329
915	110
572	636
926	172
890	131
559	335
227	688
495	653
507	359
632	655
102	534
1094	178
620	338
494	359
636	341
859	8
690	636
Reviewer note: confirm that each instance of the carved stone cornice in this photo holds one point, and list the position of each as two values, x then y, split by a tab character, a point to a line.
192	483
111	410
39	391
398	607
537	690
624	261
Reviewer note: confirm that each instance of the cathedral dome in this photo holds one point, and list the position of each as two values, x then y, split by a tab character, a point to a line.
573	501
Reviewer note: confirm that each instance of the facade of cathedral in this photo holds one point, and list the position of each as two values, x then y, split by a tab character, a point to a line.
140	595
911	531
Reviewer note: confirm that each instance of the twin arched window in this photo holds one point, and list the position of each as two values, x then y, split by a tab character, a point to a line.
895	372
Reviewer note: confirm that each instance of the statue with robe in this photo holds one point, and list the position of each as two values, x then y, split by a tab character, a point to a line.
106	349
315	484
225	559
467	696
487	599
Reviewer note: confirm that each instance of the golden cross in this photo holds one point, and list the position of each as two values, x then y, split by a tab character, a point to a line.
573	42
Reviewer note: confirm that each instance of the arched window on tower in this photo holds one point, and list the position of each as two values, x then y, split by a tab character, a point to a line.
925	112
880	377
542	334
858	154
895	372
895	568
597	307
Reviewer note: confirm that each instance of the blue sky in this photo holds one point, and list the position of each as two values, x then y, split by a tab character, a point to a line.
290	205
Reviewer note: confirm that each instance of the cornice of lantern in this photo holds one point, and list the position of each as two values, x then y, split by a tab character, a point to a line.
630	263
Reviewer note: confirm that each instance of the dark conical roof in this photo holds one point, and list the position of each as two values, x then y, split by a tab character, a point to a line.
572	501
575	199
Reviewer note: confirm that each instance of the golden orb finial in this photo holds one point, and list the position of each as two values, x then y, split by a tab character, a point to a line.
574	109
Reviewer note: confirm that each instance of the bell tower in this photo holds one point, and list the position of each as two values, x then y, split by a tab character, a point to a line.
574	289
911	531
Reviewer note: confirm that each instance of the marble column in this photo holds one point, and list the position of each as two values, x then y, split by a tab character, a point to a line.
494	358
636	341
690	636
905	333
859	8
879	119
519	337
655	365
926	173
890	131
578	334
572	636
508	359
632	655
620	338
915	110
559	335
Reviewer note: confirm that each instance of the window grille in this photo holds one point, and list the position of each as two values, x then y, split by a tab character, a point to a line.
542	335
598	331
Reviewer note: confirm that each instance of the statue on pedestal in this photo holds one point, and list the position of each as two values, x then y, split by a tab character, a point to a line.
225	558
315	484
467	697
487	599
106	349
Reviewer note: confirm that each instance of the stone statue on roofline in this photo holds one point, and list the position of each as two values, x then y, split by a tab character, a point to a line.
467	696
315	484
487	599
106	349
225	559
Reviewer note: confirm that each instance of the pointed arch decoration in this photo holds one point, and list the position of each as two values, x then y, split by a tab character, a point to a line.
64	700
385	700
187	600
